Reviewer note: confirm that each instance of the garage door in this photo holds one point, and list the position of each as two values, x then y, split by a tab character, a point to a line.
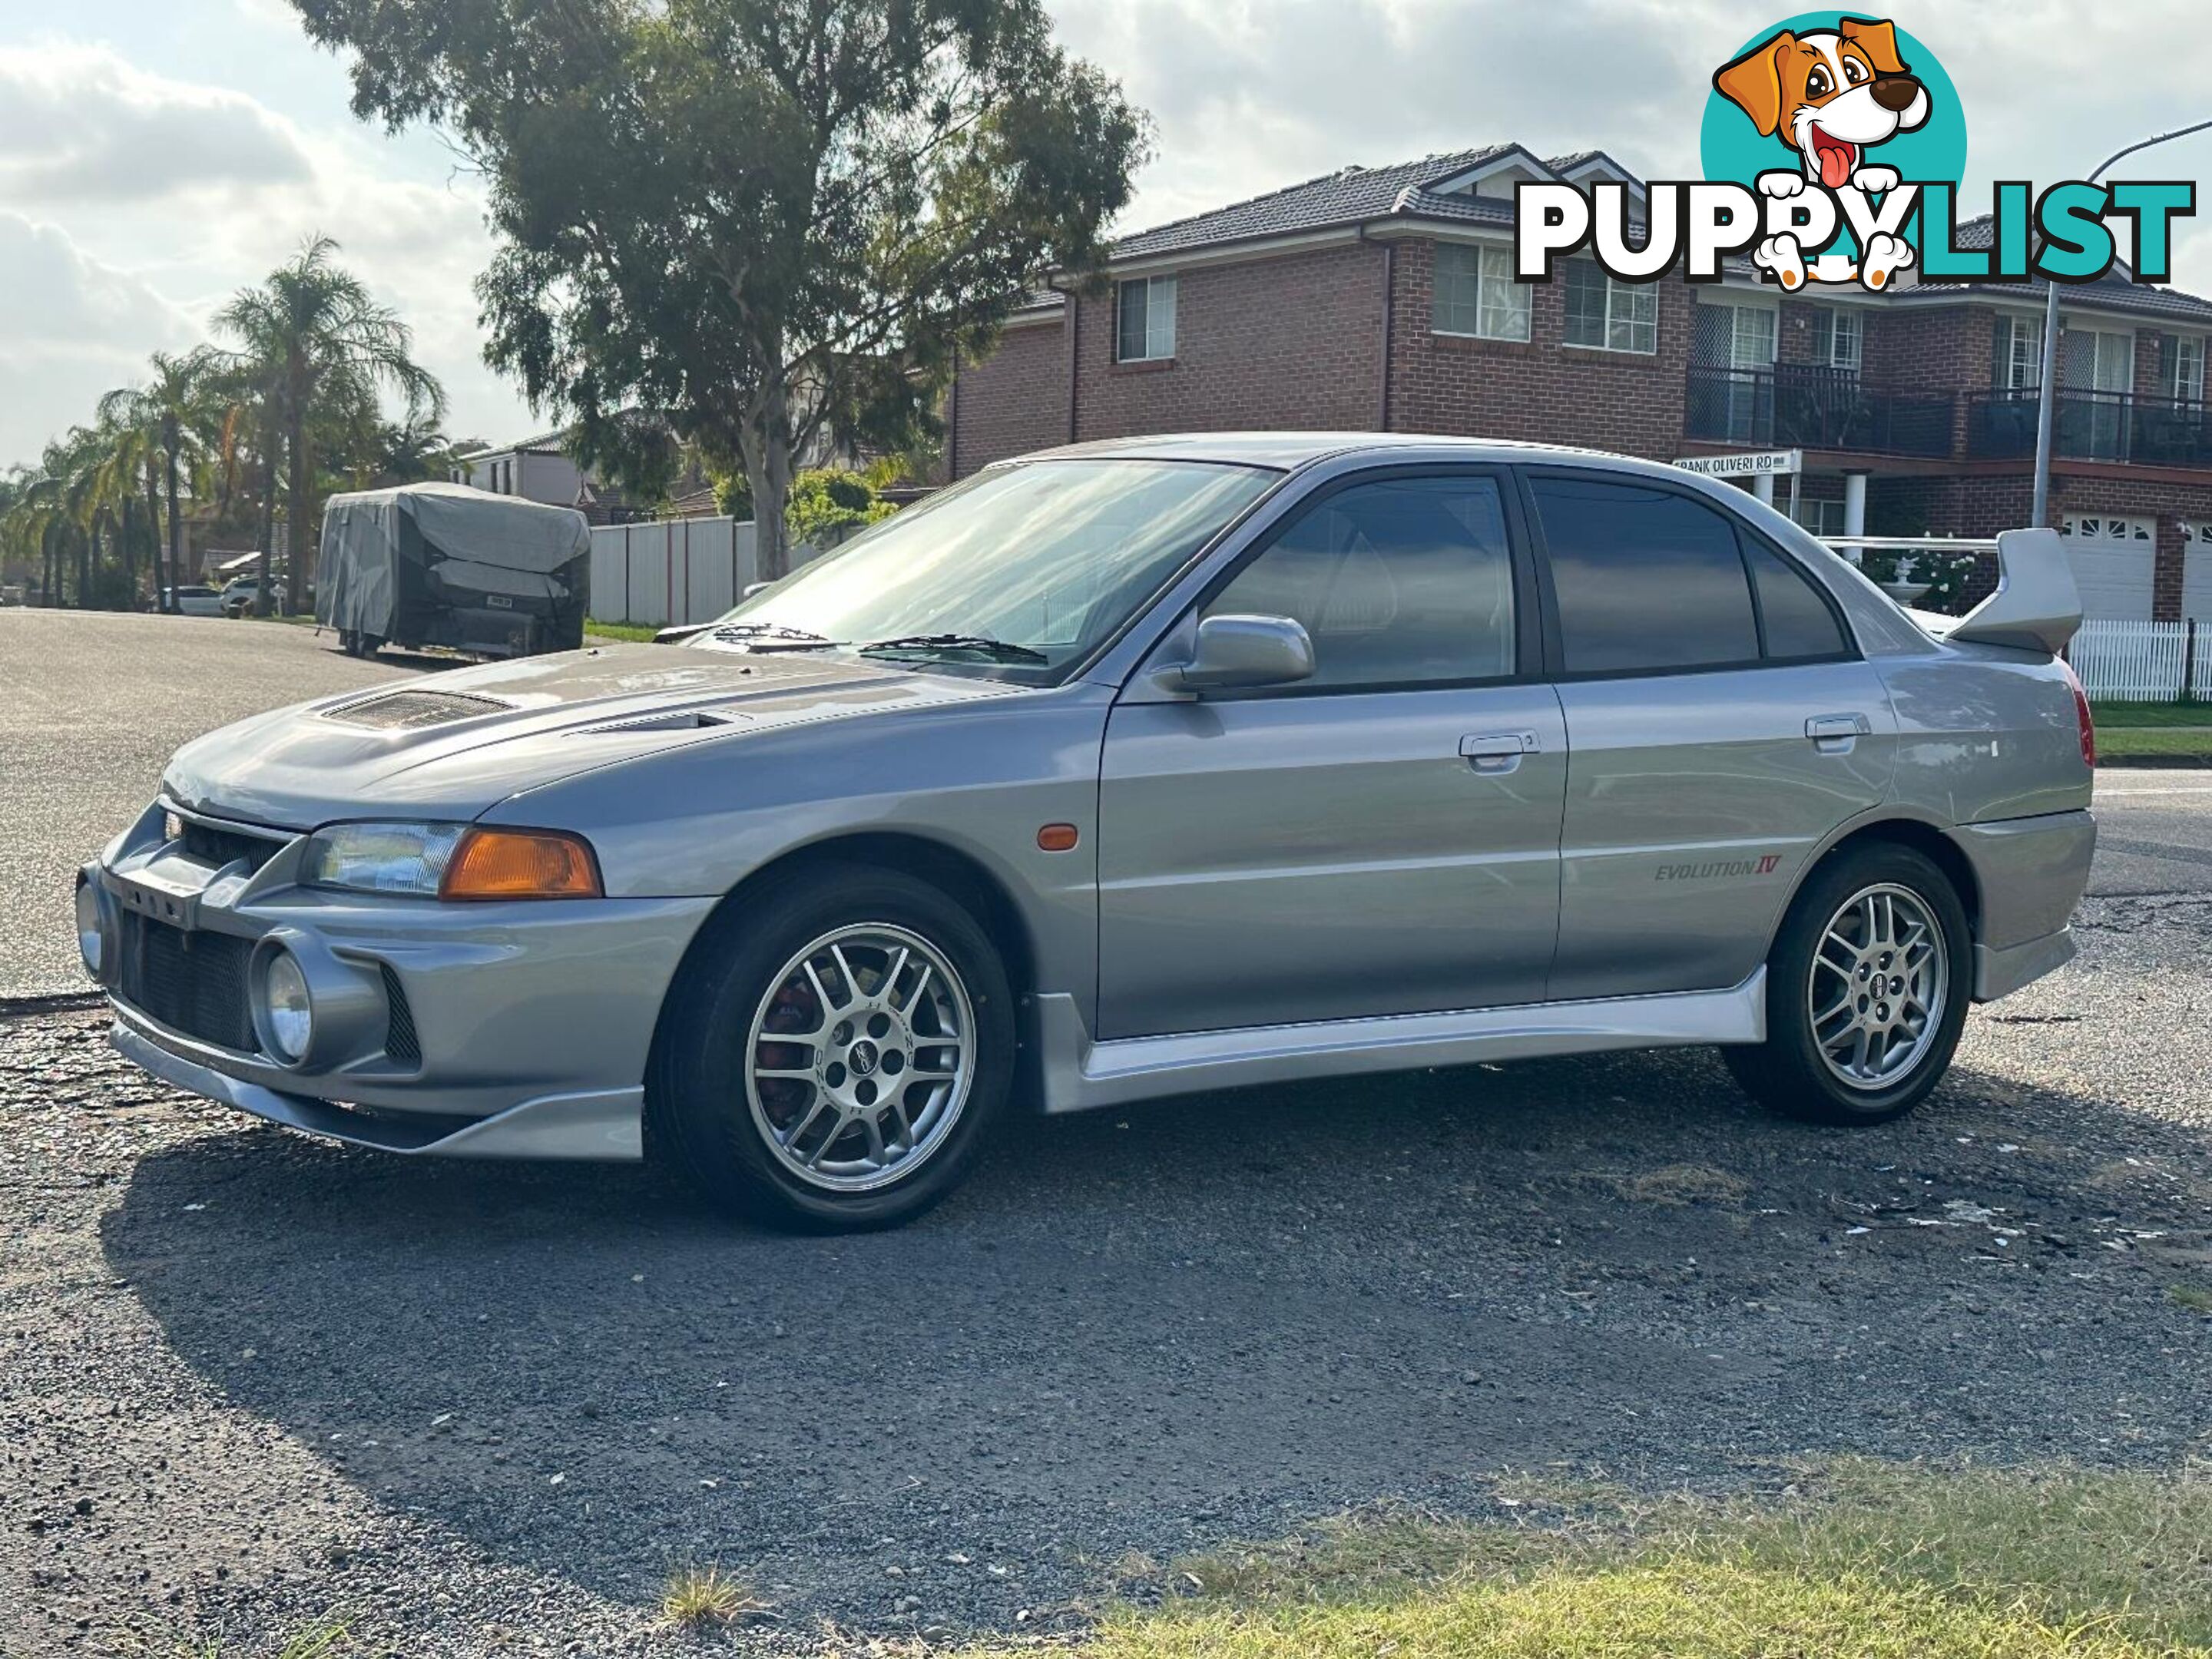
2113	557
2197	569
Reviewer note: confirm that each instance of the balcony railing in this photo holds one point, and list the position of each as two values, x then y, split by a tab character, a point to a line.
1798	406
2092	426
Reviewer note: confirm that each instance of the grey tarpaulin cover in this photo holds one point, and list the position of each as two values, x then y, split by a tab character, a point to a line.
381	546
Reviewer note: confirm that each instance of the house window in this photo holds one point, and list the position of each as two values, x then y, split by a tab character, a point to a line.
2019	354
2185	363
1475	293
1824	517
1146	308
1609	314
1838	337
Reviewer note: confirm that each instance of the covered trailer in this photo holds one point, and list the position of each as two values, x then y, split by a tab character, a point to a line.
444	565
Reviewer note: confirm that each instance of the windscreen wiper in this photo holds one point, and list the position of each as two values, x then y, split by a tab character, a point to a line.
979	644
773	637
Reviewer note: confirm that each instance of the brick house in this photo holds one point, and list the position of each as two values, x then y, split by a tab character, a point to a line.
1383	298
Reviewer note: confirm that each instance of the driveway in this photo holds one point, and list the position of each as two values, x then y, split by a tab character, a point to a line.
249	1378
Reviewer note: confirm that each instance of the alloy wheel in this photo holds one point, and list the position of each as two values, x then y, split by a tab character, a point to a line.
1878	986
860	1057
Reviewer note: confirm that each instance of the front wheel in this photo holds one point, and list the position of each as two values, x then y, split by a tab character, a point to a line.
837	1055
1867	990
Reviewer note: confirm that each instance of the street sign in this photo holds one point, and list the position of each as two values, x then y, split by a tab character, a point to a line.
1748	464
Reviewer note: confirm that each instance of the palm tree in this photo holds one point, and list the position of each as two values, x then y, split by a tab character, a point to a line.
177	419
315	342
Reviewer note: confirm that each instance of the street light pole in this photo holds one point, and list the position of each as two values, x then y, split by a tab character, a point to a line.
2046	394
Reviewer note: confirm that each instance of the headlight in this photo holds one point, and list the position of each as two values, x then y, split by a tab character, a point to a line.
380	857
90	937
451	861
288	1012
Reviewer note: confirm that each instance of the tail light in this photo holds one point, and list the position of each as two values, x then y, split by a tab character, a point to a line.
2081	715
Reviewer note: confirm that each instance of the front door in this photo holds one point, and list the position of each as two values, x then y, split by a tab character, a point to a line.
1381	839
1719	728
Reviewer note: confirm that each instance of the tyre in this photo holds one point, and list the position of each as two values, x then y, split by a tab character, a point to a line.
834	1057
1867	989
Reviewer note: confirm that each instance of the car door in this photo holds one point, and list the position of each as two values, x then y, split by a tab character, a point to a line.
1380	839
1720	725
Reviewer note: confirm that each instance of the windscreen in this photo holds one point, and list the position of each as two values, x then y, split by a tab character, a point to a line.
1024	569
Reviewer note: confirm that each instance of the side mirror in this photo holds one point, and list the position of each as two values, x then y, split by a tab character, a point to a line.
1232	653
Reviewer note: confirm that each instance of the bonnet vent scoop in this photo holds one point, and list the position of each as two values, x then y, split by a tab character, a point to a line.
411	711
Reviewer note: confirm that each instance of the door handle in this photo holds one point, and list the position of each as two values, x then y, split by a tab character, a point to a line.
1495	752
1836	732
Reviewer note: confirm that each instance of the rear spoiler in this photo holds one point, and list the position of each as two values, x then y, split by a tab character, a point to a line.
2036	606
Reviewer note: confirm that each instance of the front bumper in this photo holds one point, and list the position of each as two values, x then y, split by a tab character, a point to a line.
502	1029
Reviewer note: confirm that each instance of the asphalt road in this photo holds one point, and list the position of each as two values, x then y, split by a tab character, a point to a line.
91	705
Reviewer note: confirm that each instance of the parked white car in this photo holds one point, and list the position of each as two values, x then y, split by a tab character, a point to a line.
197	601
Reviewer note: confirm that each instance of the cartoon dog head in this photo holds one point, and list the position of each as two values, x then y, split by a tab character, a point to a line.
1830	94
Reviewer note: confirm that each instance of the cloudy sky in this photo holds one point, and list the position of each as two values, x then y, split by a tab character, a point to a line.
155	154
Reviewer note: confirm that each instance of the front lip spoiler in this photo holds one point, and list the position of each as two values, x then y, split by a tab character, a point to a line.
605	1125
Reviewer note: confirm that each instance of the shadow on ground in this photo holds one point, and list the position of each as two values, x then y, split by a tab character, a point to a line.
1144	1329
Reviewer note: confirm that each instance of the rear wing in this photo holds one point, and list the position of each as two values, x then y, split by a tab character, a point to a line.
2036	606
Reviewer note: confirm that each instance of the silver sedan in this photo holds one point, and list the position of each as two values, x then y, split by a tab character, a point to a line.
1119	772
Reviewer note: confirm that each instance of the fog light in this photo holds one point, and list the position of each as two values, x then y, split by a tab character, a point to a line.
288	1013
90	941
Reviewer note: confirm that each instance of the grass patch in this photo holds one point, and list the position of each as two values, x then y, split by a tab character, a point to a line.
2199	713
328	1638
700	1598
2195	1297
1853	1558
2122	742
636	633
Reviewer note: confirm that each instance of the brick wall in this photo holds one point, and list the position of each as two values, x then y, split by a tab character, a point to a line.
1542	390
1014	401
1290	343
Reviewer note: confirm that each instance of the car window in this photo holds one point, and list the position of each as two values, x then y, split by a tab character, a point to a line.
1647	579
1798	621
1403	581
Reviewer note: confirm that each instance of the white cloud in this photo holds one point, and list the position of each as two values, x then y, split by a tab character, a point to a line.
72	328
176	194
79	125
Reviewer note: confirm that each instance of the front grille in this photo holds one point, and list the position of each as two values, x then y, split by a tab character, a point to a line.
210	845
401	1045
411	711
193	982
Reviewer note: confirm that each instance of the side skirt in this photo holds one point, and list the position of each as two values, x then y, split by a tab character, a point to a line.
1079	1073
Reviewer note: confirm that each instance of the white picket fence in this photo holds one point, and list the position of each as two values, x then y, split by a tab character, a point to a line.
2142	661
674	571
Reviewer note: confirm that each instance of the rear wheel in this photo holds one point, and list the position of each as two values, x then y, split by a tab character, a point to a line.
1867	990
837	1054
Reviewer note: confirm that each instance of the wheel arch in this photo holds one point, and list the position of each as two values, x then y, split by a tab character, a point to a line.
959	875
1929	840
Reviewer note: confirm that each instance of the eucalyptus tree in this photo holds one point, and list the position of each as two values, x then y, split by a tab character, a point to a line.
309	340
738	220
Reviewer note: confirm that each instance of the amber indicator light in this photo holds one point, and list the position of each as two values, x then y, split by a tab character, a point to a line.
1059	837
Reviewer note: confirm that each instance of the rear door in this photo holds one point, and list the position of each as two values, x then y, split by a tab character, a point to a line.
1380	839
1720	725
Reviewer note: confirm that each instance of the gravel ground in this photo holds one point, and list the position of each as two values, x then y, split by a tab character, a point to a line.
245	1378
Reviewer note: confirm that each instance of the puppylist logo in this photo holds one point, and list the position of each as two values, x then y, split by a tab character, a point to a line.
1832	148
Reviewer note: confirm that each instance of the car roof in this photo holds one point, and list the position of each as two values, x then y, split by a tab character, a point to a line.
1288	450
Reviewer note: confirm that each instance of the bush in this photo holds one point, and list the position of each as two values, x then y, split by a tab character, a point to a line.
826	502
